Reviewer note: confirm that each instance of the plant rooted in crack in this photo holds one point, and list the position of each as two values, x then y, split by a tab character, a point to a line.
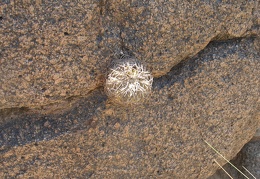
128	82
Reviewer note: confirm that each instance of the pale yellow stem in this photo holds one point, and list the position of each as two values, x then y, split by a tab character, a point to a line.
223	169
226	159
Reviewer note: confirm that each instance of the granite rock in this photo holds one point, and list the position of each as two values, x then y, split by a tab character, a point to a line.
248	159
211	97
54	50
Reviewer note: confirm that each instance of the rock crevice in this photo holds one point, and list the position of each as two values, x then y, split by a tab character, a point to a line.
213	97
53	50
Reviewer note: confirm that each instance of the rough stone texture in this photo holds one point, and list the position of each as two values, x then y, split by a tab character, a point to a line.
251	160
213	96
49	52
248	157
53	50
256	136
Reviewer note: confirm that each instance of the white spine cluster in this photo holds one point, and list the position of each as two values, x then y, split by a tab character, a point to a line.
128	82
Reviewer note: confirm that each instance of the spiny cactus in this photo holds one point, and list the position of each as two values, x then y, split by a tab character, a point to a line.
128	82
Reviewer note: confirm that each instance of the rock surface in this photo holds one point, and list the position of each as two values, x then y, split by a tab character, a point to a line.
53	50
251	160
214	97
248	157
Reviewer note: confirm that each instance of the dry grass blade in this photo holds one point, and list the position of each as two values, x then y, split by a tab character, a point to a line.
225	159
223	169
249	172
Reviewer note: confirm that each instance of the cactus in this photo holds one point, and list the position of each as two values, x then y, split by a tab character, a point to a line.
128	82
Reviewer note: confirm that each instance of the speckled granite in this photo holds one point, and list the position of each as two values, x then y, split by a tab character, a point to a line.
54	50
213	96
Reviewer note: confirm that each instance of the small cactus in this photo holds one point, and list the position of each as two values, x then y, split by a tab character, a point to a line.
128	82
